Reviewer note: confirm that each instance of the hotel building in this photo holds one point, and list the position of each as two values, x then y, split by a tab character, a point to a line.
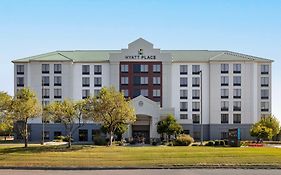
235	89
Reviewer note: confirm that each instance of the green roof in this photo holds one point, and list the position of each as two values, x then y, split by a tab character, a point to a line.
177	56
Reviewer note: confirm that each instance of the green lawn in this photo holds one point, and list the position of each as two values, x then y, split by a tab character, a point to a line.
154	156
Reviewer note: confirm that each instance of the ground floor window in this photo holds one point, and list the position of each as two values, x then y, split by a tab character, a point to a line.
57	134
83	135
47	135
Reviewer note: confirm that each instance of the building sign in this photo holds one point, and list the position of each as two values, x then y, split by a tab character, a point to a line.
141	57
234	137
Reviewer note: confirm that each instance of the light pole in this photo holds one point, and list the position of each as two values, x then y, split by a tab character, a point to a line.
43	123
201	110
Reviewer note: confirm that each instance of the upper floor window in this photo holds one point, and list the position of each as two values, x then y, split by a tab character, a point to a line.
236	93
45	68
156	68
20	81
183	94
156	80
20	69
183	69
224	118
96	92
224	93
224	105
57	81
236	118
124	80
264	69
85	81
224	81
264	81
195	118
183	116
236	81
144	92
264	93
156	92
45	81
195	106
144	80
195	69
183	106
125	92
97	69
97	82
183	81
46	93
86	69
195	94
57	93
264	106
195	81
236	68
224	68
85	93
144	68
57	68
124	68
237	106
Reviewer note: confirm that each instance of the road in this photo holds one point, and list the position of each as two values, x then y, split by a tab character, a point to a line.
144	172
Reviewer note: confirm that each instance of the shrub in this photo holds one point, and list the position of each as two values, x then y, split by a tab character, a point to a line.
183	140
100	141
62	139
222	143
210	143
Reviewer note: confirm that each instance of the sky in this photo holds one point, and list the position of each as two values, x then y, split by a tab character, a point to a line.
247	26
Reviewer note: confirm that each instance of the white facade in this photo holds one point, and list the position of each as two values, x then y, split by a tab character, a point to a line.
228	79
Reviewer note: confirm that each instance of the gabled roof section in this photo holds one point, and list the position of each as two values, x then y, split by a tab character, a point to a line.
142	41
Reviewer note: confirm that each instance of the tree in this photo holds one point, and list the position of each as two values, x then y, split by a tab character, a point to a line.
69	113
120	130
266	128
6	122
110	108
169	126
25	106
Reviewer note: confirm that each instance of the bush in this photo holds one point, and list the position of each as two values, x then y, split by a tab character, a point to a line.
62	139
183	140
222	143
210	143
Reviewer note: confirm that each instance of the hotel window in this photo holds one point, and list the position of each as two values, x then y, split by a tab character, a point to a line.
224	118
136	92
183	69
124	68
85	81
236	81
124	80
264	106
137	80
156	80
156	92
144	92
224	93
183	106
45	68
264	94
224	81
45	81
237	93
264	69
46	93
183	94
20	69
97	82
183	82
57	68
45	103
85	93
156	68
236	118
57	81
125	92
224	135
183	116
195	69
144	80
144	68
237	106
224	105
195	82
264	81
136	68
195	94
96	92
20	81
195	118
57	93
85	69
97	69
236	68
224	68
195	106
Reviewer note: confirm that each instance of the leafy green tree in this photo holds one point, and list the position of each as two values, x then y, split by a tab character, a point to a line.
25	106
69	113
111	109
6	122
266	128
169	126
120	130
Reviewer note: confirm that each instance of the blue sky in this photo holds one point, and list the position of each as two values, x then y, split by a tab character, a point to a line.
33	27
